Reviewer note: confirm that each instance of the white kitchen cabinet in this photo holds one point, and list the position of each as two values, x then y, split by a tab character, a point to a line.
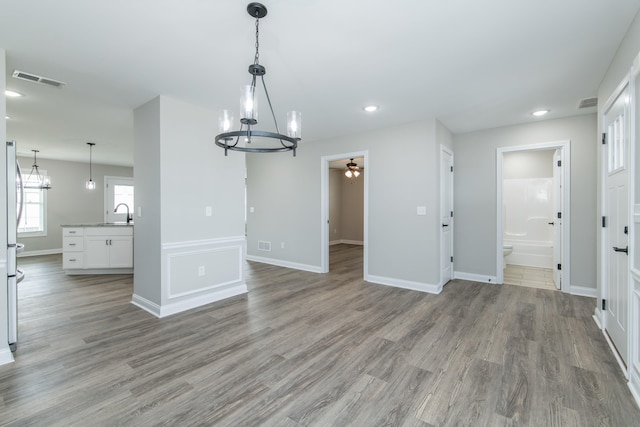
98	249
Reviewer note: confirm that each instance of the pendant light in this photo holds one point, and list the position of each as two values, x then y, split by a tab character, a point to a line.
352	171
90	184
42	182
248	139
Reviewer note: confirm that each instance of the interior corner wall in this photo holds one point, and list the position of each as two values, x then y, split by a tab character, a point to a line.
192	202
475	192
285	193
68	201
147	184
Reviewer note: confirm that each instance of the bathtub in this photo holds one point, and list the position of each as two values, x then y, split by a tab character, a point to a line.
530	253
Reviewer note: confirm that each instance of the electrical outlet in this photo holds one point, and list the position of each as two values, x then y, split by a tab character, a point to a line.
281	245
201	271
208	211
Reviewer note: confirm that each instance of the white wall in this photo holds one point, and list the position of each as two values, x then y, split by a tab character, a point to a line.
185	257
403	169
475	192
68	201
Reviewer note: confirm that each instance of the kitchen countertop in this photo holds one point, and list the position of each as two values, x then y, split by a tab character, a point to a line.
100	224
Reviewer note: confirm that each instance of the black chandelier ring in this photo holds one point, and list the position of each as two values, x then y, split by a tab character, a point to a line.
223	139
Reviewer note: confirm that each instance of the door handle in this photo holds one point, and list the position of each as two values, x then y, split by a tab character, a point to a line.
551	223
445	225
625	250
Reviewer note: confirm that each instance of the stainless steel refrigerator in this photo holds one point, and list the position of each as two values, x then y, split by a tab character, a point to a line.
15	197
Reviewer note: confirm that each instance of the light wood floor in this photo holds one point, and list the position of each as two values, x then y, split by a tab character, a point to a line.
531	277
309	349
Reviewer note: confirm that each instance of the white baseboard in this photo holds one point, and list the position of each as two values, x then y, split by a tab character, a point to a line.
597	317
475	277
287	264
404	284
41	252
583	291
189	303
146	305
6	356
347	242
634	386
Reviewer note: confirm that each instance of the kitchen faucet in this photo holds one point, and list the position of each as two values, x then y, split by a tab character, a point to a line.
129	218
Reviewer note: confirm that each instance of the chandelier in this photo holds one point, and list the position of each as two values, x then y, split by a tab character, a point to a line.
352	171
248	139
37	181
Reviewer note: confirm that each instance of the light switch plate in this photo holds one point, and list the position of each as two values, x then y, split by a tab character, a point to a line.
208	211
421	210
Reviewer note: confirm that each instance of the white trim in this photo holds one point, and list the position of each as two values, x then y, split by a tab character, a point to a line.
405	284
583	291
146	305
6	356
324	208
614	350
81	271
287	264
565	147
482	278
634	386
40	252
190	303
171	256
204	242
345	242
597	317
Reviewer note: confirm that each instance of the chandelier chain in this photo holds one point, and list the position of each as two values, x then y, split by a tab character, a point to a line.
255	61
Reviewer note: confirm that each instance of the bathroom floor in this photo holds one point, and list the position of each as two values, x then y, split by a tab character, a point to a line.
531	277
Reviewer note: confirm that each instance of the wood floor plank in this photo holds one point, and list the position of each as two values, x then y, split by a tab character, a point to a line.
307	349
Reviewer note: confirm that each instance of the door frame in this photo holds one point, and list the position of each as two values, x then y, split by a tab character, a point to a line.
324	208
564	146
448	151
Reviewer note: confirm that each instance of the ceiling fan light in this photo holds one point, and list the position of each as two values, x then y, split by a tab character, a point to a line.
348	173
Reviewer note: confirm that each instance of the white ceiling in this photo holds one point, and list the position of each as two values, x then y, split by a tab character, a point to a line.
471	64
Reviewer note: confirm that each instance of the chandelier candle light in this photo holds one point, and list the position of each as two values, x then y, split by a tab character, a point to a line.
90	184
229	140
42	182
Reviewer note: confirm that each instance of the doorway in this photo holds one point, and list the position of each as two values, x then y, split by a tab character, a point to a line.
329	229
541	208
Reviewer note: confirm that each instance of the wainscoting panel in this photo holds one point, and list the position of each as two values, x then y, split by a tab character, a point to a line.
200	272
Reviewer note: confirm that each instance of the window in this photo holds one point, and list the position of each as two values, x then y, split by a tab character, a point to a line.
118	190
34	214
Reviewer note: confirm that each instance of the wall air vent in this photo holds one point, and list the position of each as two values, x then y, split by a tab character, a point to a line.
264	246
37	79
588	102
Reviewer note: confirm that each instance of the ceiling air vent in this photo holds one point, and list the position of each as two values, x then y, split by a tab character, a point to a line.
37	79
588	102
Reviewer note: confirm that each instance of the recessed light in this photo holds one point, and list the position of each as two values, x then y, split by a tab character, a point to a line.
12	94
370	108
540	113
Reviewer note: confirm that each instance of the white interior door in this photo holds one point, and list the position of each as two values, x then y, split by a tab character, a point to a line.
446	215
616	242
556	222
